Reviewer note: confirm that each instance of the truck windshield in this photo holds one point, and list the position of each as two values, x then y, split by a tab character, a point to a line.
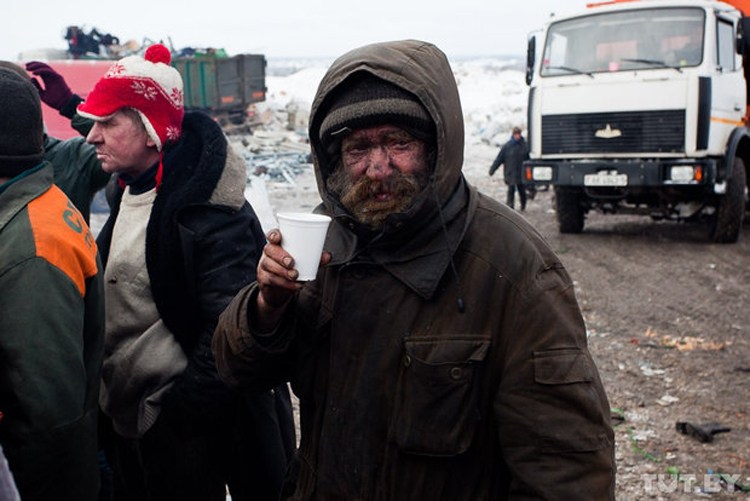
625	41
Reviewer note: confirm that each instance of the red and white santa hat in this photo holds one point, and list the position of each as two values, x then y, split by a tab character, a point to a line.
149	85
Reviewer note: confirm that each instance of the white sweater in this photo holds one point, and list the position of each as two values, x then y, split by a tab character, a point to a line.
141	356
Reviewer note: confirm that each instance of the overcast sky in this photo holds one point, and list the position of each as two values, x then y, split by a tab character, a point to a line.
279	28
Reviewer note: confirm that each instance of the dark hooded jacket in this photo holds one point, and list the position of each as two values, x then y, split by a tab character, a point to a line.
444	358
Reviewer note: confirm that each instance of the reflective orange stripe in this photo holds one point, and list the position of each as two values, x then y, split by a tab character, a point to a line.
62	237
729	121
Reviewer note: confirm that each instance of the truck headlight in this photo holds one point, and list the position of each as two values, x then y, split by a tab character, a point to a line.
683	174
542	173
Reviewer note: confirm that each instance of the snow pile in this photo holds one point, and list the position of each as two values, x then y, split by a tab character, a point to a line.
493	100
297	87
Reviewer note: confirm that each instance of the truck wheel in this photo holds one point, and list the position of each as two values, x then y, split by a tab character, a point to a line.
570	213
727	222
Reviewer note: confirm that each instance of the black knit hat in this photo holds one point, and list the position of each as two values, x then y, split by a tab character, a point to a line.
364	100
8	65
21	126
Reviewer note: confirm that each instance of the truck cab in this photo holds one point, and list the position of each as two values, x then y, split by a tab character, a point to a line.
640	107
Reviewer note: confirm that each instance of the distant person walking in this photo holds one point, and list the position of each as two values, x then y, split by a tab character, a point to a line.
511	156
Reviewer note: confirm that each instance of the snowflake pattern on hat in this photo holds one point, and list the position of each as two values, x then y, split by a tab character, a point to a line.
144	89
149	85
177	96
114	71
173	133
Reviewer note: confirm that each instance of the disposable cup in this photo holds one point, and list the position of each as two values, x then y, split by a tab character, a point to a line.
303	236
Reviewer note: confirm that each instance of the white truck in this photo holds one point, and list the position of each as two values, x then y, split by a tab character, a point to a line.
640	107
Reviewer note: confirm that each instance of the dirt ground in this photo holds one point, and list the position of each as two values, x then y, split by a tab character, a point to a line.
668	316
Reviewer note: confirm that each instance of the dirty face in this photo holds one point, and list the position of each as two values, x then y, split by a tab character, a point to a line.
382	169
122	144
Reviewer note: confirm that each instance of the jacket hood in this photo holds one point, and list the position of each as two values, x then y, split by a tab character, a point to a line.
423	70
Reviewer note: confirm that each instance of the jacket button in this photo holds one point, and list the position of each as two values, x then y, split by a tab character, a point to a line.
456	373
407	360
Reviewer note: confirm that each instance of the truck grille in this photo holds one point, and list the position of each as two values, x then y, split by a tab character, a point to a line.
660	131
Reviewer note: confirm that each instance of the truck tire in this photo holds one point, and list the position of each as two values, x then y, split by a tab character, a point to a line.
730	211
570	213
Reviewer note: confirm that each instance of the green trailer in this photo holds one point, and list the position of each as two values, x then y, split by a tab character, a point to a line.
223	87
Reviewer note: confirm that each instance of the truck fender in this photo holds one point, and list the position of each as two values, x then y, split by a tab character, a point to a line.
739	140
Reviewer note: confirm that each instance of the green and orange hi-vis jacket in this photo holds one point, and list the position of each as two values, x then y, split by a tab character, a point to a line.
51	338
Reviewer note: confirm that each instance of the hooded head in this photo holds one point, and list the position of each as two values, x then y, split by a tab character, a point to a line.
21	128
405	83
147	84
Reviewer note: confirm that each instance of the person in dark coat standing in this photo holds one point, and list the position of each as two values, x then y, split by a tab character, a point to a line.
51	315
511	156
179	243
410	387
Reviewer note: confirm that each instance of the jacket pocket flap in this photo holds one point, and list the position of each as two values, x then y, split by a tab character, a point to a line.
441	351
562	367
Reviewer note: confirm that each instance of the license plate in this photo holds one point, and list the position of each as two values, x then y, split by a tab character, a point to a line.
605	179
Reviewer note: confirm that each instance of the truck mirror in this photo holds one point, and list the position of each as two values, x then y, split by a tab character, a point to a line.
743	34
530	59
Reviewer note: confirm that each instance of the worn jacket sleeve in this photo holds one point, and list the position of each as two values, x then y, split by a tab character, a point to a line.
82	125
247	358
551	408
499	160
82	155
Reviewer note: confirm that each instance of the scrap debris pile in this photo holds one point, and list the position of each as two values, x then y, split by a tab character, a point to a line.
278	148
91	43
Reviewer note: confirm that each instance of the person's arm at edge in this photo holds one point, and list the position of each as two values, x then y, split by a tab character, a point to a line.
551	408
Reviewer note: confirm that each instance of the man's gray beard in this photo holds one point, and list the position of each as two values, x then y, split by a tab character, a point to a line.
356	197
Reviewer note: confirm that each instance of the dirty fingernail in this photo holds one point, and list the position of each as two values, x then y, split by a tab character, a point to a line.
287	261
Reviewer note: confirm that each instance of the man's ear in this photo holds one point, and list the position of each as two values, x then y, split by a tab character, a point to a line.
150	142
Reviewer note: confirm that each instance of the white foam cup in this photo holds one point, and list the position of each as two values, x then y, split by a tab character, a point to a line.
302	236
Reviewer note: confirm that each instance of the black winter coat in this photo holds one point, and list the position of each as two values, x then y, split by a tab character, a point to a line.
203	242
